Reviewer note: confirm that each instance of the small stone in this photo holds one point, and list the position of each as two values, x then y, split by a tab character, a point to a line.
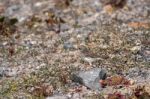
38	4
136	49
2	71
90	78
132	82
68	45
76	96
10	72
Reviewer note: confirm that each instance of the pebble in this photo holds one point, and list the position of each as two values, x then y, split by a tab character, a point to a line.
89	78
76	96
2	71
10	72
68	45
136	49
7	72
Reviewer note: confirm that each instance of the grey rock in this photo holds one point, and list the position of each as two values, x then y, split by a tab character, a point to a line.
90	78
68	46
21	11
10	72
2	71
7	72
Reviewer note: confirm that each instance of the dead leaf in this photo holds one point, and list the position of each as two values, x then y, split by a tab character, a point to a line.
139	25
115	80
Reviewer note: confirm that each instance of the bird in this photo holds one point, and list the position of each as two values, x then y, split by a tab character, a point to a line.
89	56
90	60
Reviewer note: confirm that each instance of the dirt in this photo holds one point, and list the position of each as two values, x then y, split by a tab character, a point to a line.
52	39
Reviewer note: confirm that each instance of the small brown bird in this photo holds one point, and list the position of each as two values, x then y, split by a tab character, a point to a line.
114	3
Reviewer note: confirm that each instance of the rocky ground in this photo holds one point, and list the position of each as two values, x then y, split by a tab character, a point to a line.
43	43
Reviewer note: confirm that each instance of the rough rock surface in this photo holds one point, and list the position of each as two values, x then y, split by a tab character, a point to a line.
89	78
